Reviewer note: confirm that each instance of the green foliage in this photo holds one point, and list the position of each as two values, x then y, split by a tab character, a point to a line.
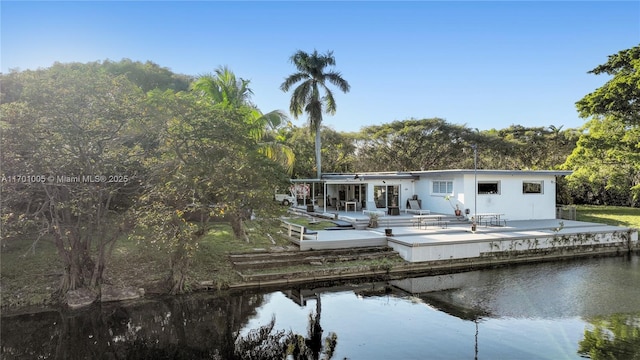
606	164
225	90
412	145
30	272
222	87
338	153
606	159
620	96
613	215
615	336
66	132
148	76
208	165
432	144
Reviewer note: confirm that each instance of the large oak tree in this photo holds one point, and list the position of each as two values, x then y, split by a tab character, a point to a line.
70	163
607	156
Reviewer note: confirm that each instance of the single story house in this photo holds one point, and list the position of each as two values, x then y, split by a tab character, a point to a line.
518	194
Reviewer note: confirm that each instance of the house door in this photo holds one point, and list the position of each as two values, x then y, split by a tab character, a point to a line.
386	195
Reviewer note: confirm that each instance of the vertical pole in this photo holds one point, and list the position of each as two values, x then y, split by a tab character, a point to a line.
475	179
475	187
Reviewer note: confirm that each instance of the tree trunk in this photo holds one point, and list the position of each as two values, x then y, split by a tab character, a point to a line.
237	225
179	269
78	265
318	152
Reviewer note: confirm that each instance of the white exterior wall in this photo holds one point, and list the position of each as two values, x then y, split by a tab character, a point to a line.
437	202
510	201
477	248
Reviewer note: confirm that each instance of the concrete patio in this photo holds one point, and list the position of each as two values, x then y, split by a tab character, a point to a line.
417	244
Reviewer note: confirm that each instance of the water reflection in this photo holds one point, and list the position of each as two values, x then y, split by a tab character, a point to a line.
177	328
546	311
540	291
615	336
265	343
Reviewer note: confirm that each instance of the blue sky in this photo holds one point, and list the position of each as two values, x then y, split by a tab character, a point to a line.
482	64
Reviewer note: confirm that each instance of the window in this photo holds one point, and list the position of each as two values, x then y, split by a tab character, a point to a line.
443	187
532	187
489	187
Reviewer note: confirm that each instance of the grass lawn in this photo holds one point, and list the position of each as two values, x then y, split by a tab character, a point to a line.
612	215
320	225
30	274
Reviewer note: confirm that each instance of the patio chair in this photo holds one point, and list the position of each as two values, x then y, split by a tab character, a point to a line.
373	209
414	207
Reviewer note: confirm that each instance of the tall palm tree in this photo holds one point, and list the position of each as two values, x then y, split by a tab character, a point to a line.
225	89
307	98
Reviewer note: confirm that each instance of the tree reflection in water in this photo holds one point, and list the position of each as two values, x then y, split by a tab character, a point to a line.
615	336
263	343
193	327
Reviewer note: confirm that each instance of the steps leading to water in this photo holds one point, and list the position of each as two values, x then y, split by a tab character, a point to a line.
262	260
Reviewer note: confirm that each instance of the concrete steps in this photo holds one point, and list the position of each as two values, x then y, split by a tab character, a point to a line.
393	221
265	265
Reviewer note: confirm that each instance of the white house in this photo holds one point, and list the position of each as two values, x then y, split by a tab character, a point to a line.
518	194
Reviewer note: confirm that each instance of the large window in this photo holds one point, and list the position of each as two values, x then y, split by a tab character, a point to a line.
532	187
442	187
488	187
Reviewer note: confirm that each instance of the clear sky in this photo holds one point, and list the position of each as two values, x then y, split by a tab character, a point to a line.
482	64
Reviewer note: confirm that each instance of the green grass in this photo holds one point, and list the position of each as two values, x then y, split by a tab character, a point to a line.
211	263
611	215
30	274
323	224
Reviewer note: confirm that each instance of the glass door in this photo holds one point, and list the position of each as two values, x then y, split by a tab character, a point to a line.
386	195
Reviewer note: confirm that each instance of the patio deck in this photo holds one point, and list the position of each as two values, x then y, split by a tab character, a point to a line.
434	243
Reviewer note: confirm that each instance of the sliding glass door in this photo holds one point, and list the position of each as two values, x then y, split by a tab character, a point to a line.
386	195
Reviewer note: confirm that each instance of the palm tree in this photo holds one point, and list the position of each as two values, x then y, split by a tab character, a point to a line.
306	97
224	89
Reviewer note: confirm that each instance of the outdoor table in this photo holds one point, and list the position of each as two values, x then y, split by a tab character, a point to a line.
347	203
491	218
423	219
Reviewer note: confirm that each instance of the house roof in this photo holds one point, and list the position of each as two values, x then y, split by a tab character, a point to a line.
494	172
415	175
369	176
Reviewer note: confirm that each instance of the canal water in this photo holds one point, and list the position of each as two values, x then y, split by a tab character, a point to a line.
558	310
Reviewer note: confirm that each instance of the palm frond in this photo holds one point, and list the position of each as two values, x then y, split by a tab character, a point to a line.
292	80
299	98
336	79
275	119
329	101
279	153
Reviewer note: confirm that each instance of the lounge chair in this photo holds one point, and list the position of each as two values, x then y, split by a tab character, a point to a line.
373	209
414	207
